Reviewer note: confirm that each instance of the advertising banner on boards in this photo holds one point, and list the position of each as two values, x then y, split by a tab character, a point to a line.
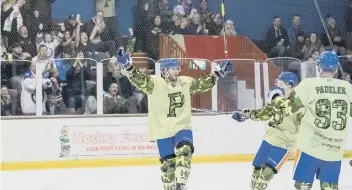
106	140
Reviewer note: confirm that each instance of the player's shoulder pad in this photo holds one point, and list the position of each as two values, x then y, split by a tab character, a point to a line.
275	92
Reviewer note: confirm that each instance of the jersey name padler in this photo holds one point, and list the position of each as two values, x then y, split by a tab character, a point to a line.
326	117
169	107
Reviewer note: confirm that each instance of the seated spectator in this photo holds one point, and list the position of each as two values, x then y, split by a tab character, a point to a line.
214	26
336	37
314	56
142	98
51	42
91	103
348	25
28	94
277	39
6	104
195	27
176	27
297	50
76	78
11	20
229	28
313	44
113	103
346	64
100	35
114	75
294	29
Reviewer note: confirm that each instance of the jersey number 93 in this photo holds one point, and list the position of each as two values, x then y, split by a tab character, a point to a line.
324	109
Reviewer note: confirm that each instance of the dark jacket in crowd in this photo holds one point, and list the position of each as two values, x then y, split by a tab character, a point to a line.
272	39
76	84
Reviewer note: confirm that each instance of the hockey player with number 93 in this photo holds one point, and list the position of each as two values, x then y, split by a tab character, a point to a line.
325	105
169	116
280	134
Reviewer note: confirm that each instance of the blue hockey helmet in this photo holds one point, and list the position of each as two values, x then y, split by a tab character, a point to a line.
288	78
328	61
169	63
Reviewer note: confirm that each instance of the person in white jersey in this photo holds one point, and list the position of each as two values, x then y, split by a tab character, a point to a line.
325	107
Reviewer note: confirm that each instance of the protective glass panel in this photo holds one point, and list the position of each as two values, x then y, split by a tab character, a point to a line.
237	90
120	96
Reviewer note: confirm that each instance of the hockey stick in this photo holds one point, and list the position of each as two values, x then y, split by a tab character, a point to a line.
223	20
213	111
326	30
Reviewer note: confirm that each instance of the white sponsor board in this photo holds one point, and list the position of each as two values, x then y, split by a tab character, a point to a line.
106	140
27	140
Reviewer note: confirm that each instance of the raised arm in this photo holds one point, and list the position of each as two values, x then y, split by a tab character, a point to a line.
203	84
142	82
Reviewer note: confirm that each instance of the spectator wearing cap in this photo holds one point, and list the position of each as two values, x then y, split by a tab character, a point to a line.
107	7
294	29
348	25
298	49
277	39
229	28
336	37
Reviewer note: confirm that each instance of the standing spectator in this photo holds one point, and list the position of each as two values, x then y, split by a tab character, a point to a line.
336	37
277	39
107	7
348	25
165	12
51	42
26	41
11	20
294	29
153	38
100	35
76	78
91	103
203	9
33	24
28	94
54	94
313	44
6	104
71	24
63	64
43	58
43	7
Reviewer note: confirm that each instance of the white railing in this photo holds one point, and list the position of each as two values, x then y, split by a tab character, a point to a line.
249	90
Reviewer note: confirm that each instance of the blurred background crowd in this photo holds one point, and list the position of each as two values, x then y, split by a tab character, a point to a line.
70	48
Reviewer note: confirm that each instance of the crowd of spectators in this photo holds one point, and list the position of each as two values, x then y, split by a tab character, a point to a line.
67	51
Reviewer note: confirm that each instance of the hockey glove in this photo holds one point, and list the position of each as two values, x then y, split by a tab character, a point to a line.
223	68
275	91
124	60
241	116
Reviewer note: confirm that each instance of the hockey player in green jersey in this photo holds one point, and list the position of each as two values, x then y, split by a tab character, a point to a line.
280	135
169	116
325	108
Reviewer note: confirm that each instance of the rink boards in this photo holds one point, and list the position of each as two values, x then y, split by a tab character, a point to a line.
102	141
